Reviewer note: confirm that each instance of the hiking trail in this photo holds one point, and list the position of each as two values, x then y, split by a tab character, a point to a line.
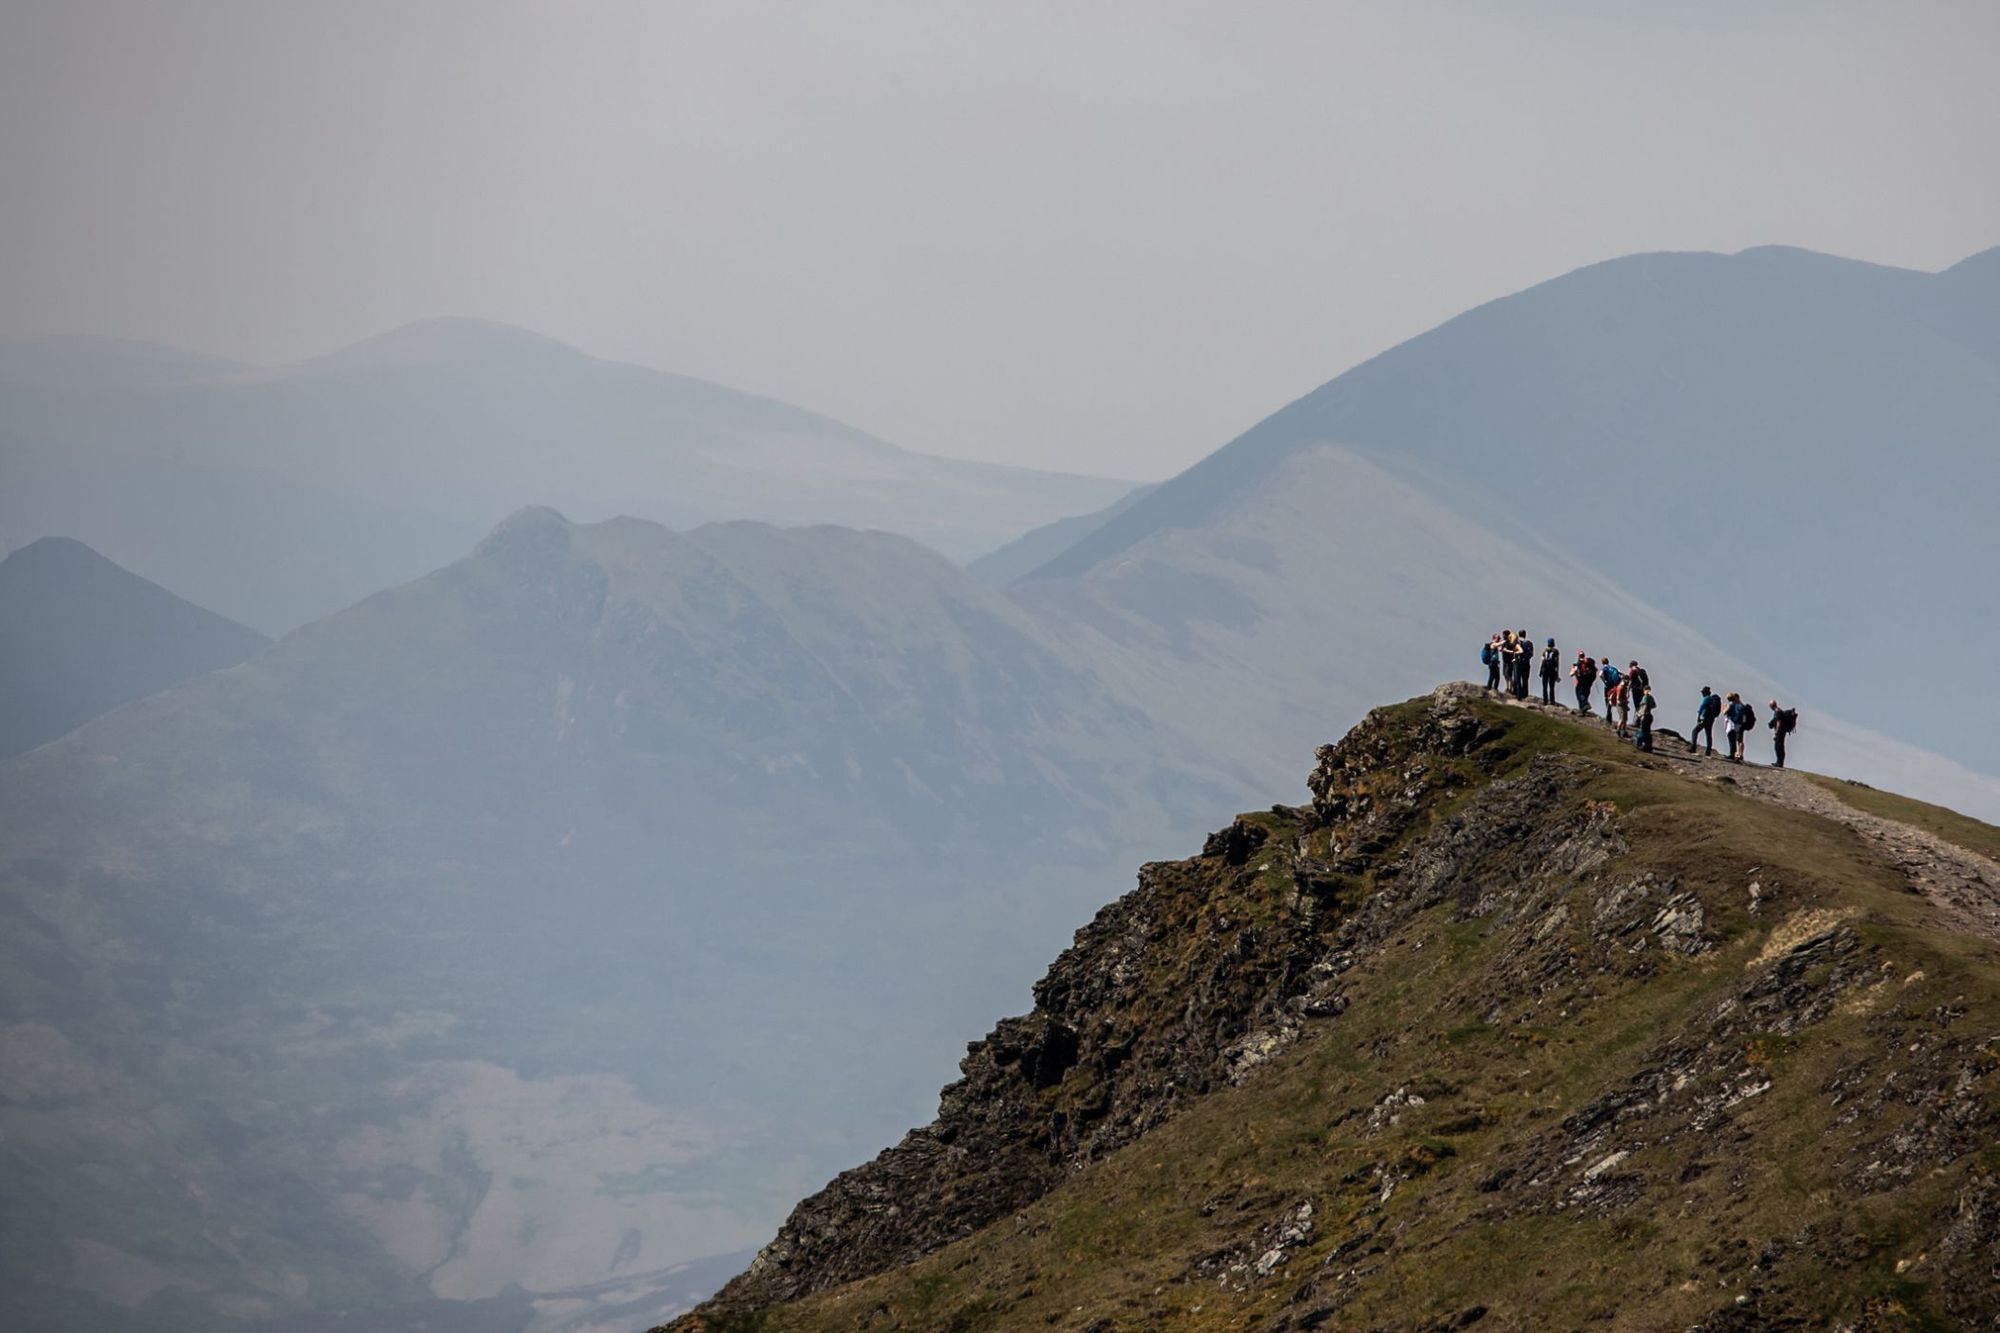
1964	885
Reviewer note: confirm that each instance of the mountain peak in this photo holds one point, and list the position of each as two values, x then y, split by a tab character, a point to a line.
48	553
80	635
534	536
531	519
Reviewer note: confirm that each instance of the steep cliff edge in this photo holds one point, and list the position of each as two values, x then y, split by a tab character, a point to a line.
1511	1026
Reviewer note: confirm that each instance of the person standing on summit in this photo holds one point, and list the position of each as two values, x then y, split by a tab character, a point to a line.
1510	657
1638	681
1705	714
1646	705
1524	664
1490	658
1783	722
1608	673
1733	714
1551	672
1584	673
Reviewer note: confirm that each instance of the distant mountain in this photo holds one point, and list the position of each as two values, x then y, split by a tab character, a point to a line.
80	636
279	495
1033	549
1791	452
480	936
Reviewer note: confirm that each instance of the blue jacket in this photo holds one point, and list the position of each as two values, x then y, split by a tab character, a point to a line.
1710	707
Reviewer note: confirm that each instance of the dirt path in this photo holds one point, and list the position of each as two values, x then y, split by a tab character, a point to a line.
1964	885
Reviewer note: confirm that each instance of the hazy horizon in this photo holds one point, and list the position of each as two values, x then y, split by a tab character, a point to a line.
1100	241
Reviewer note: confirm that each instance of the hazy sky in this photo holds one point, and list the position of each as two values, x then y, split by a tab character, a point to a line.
1088	235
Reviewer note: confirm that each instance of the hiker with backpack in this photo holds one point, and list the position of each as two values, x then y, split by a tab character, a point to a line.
1510	658
1611	677
1646	706
1705	714
1551	672
1524	663
1641	682
1584	673
1784	721
1489	657
1737	718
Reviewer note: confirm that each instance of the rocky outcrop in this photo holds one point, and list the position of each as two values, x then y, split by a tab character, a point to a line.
1208	969
1508	1019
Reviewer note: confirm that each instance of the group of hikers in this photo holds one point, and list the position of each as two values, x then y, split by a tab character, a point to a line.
1510	658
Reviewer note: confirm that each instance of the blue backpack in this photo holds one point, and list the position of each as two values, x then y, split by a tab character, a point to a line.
1610	674
1486	654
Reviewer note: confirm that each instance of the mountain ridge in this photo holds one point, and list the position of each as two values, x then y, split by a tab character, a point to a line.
374	933
1694	424
1371	1062
1172	505
254	480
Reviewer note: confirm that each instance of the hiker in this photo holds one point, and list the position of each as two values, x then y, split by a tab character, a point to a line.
1524	664
1608	673
1489	657
1625	706
1584	673
1732	728
1705	714
1510	656
1641	682
1784	721
1551	672
1645	738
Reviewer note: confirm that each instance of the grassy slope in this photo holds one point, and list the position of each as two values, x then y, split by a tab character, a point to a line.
1145	1239
1962	830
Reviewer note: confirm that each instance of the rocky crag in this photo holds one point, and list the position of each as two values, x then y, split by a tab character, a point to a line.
1512	1026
